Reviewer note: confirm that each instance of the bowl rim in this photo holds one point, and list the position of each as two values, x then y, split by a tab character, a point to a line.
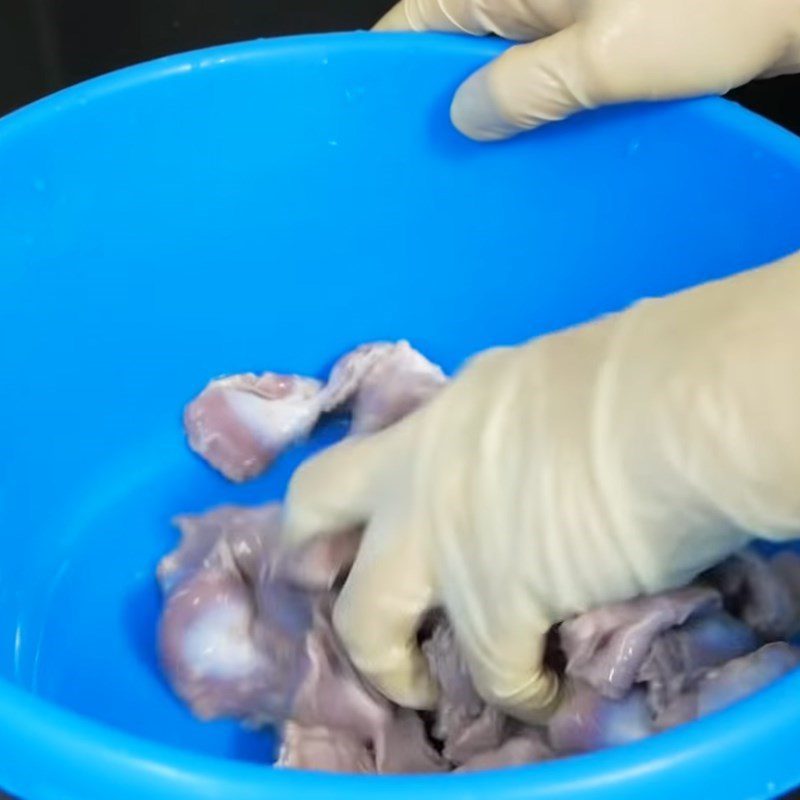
84	756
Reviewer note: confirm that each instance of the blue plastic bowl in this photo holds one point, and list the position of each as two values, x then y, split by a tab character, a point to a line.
269	205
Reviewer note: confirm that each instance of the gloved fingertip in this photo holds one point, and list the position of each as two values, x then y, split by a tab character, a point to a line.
397	670
536	701
412	688
475	111
302	524
295	531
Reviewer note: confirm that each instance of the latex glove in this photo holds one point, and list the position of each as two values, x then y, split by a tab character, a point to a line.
589	53
620	457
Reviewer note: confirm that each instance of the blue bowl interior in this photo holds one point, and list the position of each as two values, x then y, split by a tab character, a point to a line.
269	206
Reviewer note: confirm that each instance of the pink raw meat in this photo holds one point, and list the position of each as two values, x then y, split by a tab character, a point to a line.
679	656
247	632
241	424
526	747
323	749
721	687
382	383
607	646
765	592
231	636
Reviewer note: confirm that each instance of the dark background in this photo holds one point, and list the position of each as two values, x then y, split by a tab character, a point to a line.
48	44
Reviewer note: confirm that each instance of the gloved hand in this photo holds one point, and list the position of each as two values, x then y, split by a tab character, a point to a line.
588	53
621	457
